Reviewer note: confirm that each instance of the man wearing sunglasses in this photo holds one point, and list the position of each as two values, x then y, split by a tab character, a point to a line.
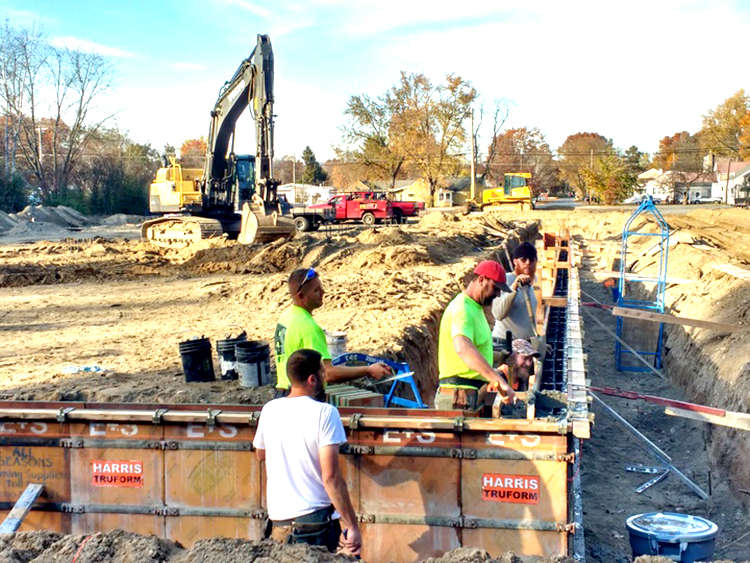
296	330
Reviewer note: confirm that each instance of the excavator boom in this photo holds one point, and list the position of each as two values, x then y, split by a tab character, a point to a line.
236	194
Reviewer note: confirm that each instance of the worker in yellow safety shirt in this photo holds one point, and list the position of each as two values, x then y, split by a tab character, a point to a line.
296	330
465	342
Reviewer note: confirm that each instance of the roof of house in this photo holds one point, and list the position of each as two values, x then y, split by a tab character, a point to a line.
650	174
734	167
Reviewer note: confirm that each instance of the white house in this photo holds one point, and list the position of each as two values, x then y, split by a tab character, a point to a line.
732	175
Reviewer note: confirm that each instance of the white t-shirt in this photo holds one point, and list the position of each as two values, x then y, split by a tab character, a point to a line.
292	430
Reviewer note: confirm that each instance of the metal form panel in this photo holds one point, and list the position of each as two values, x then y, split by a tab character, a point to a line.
189	529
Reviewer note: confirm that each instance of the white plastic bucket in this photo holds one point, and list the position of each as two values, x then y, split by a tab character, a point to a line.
336	343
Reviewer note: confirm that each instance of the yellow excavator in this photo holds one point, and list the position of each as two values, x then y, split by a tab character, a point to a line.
232	194
516	189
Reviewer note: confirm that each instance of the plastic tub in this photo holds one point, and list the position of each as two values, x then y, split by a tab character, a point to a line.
680	537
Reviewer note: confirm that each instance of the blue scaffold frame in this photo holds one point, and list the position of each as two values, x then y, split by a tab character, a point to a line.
398	368
657	304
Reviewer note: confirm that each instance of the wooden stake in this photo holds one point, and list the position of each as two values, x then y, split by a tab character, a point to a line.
23	505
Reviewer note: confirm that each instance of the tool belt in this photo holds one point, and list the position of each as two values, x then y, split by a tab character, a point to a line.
475	384
316	528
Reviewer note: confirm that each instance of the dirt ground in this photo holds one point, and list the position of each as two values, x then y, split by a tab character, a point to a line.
123	306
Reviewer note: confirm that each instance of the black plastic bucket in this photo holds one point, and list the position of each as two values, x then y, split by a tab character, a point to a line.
252	361
227	358
197	364
680	537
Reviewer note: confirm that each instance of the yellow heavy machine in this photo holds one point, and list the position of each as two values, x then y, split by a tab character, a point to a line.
232	194
515	189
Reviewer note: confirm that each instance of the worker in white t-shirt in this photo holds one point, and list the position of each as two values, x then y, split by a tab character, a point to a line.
299	439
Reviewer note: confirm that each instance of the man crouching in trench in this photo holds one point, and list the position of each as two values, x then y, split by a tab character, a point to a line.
299	438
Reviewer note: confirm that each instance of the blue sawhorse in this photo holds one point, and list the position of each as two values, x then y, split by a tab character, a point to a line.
398	368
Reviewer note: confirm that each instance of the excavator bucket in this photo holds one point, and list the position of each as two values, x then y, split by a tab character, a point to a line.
258	226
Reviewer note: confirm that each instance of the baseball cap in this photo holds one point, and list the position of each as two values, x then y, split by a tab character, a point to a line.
523	348
494	271
525	250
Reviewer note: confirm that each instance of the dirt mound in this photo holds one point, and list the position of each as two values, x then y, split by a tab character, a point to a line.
400	256
62	216
437	219
221	550
28	231
384	237
7	222
474	555
123	219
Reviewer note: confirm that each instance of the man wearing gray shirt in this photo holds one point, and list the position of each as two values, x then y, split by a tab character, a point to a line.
516	311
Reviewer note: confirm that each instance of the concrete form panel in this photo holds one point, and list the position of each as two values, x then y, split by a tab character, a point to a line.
528	542
145	524
189	529
151	493
552	504
42	521
406	543
409	486
23	465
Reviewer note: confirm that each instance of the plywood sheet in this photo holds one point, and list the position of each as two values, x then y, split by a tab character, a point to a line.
189	529
414	486
550	503
23	465
526	542
406	543
220	479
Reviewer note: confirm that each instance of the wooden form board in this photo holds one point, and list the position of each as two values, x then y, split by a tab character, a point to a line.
735	271
672	319
737	420
635	277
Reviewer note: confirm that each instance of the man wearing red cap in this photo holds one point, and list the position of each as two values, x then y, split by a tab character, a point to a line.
465	342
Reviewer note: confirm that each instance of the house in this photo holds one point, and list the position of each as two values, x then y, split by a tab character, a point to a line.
732	175
303	194
674	185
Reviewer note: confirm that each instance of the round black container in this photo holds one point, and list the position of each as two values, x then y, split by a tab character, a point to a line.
252	361
227	359
197	364
680	537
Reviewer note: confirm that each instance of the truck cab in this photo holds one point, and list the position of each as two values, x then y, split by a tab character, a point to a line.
354	207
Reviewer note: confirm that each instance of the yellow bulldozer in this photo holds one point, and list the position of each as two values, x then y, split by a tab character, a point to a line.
515	189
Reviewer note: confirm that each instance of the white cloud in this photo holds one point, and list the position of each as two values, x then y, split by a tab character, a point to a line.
77	44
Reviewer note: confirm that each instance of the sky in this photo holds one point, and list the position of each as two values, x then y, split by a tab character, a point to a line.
633	71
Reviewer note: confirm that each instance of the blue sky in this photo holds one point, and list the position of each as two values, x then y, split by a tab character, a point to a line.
634	71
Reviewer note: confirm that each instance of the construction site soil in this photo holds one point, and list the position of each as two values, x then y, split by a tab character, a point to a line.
121	306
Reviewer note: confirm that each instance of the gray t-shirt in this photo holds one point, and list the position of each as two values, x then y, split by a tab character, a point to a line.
511	312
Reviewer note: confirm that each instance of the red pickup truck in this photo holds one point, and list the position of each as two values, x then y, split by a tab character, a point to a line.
401	209
352	207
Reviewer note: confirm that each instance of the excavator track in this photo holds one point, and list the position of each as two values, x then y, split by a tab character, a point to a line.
180	232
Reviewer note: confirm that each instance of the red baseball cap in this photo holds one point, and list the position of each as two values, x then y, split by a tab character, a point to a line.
494	271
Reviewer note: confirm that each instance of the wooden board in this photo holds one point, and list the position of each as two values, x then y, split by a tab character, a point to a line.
735	271
671	319
732	419
22	507
635	277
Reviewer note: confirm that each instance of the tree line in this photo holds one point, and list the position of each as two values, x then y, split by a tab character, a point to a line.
57	149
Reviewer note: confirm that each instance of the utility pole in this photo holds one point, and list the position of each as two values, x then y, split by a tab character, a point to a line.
473	164
726	188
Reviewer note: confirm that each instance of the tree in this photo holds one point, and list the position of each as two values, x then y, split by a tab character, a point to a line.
14	193
367	136
77	81
288	169
427	124
681	151
577	153
314	173
722	130
524	150
610	178
499	113
193	153
346	169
